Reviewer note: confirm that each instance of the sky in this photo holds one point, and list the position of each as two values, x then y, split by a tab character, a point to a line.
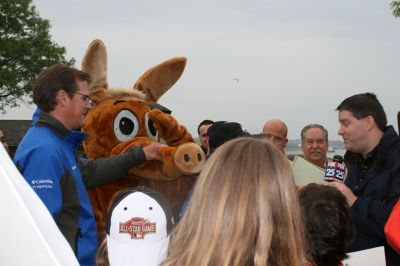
248	61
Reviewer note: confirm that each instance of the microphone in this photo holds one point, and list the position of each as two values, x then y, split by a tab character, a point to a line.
335	170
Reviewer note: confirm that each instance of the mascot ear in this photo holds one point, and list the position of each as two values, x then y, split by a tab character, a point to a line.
160	78
95	64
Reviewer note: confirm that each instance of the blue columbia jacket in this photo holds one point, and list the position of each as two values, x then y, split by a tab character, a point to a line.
47	159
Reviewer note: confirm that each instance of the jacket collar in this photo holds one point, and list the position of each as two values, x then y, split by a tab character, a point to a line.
44	119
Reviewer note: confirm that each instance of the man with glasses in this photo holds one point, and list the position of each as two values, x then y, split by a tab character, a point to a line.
47	157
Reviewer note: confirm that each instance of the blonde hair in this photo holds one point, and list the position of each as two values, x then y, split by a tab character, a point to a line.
244	211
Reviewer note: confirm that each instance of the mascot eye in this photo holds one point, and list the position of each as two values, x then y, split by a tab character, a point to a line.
126	125
151	130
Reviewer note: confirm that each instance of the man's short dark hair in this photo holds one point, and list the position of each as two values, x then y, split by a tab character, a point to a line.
328	224
310	126
223	131
53	79
203	123
363	105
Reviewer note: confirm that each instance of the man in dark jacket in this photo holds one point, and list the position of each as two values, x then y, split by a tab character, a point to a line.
372	186
47	157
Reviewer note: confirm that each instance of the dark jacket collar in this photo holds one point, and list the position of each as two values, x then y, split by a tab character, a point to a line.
44	119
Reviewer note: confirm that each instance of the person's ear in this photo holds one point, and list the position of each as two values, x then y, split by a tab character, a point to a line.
206	141
302	145
62	98
369	122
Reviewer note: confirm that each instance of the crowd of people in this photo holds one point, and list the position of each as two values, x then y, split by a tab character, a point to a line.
244	209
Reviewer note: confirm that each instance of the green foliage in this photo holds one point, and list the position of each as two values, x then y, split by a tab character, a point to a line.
25	49
395	8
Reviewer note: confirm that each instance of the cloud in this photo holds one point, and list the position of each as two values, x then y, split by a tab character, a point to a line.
296	60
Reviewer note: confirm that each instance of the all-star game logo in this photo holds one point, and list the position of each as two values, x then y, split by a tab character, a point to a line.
137	227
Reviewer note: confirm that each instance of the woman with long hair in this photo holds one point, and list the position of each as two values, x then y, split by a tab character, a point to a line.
244	211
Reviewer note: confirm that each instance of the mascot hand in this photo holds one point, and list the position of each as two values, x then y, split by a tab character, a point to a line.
169	129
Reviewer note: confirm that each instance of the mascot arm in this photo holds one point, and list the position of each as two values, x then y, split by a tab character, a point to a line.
169	129
105	170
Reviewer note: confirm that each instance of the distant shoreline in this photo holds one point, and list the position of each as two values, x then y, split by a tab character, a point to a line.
290	151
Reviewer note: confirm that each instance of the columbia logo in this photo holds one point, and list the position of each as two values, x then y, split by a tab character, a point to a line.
73	167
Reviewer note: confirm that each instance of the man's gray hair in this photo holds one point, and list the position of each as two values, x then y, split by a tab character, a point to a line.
306	128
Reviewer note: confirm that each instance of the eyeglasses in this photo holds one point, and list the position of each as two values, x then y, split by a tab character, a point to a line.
86	98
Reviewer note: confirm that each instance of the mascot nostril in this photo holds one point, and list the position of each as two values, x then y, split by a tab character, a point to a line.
199	157
186	157
123	118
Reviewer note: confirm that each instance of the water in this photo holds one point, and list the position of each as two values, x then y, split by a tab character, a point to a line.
330	153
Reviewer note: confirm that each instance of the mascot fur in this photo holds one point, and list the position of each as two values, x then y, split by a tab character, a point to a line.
122	118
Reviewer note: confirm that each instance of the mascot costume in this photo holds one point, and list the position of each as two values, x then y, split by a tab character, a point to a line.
122	118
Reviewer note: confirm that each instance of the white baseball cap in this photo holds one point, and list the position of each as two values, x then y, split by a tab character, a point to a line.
138	225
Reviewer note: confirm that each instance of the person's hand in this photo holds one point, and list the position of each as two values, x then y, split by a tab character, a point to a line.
346	191
151	151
